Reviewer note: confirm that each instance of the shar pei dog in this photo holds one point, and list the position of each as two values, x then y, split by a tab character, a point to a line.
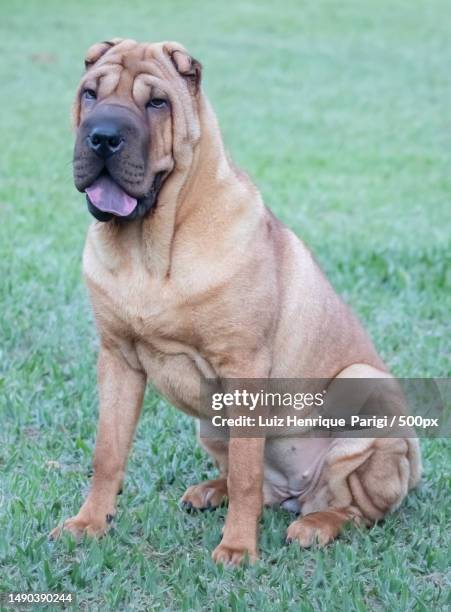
192	278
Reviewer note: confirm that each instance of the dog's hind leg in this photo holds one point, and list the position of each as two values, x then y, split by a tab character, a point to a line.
362	480
360	486
211	493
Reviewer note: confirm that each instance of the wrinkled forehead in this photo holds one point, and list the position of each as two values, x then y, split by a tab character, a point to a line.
133	70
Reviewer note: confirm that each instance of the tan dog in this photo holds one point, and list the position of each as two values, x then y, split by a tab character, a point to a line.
191	277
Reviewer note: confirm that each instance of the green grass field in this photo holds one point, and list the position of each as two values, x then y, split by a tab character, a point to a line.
341	113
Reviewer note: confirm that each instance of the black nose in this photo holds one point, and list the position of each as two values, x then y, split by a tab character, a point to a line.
105	140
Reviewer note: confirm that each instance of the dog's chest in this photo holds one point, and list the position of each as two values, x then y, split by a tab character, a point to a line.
126	299
132	305
151	321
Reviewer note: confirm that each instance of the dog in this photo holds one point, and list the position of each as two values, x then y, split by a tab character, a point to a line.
192	278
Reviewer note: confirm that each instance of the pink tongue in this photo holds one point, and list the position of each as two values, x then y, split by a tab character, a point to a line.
109	197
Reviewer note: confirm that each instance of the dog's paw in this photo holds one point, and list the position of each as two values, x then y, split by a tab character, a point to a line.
306	535
206	495
78	527
234	556
319	527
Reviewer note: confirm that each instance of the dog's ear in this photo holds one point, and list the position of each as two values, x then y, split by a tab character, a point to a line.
187	67
96	51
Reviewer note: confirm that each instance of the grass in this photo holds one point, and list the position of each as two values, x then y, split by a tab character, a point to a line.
340	112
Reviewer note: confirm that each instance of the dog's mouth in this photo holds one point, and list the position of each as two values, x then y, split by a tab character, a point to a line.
106	199
107	196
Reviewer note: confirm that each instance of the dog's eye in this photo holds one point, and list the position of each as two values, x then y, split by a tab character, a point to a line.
89	94
157	103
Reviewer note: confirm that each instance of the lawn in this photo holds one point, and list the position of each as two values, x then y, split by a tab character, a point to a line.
341	113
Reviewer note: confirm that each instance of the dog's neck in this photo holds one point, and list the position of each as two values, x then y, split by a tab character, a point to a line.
191	191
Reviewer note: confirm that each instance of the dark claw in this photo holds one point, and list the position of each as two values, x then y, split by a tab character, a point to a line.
288	541
187	506
120	491
109	518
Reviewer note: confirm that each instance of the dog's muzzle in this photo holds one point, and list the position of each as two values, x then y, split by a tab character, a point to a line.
110	164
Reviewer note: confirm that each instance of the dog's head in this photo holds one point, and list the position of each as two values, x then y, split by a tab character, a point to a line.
135	110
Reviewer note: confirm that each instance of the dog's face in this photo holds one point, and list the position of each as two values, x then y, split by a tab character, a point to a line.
135	104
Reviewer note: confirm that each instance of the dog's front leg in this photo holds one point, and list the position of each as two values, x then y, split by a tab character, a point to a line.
121	391
245	468
244	483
